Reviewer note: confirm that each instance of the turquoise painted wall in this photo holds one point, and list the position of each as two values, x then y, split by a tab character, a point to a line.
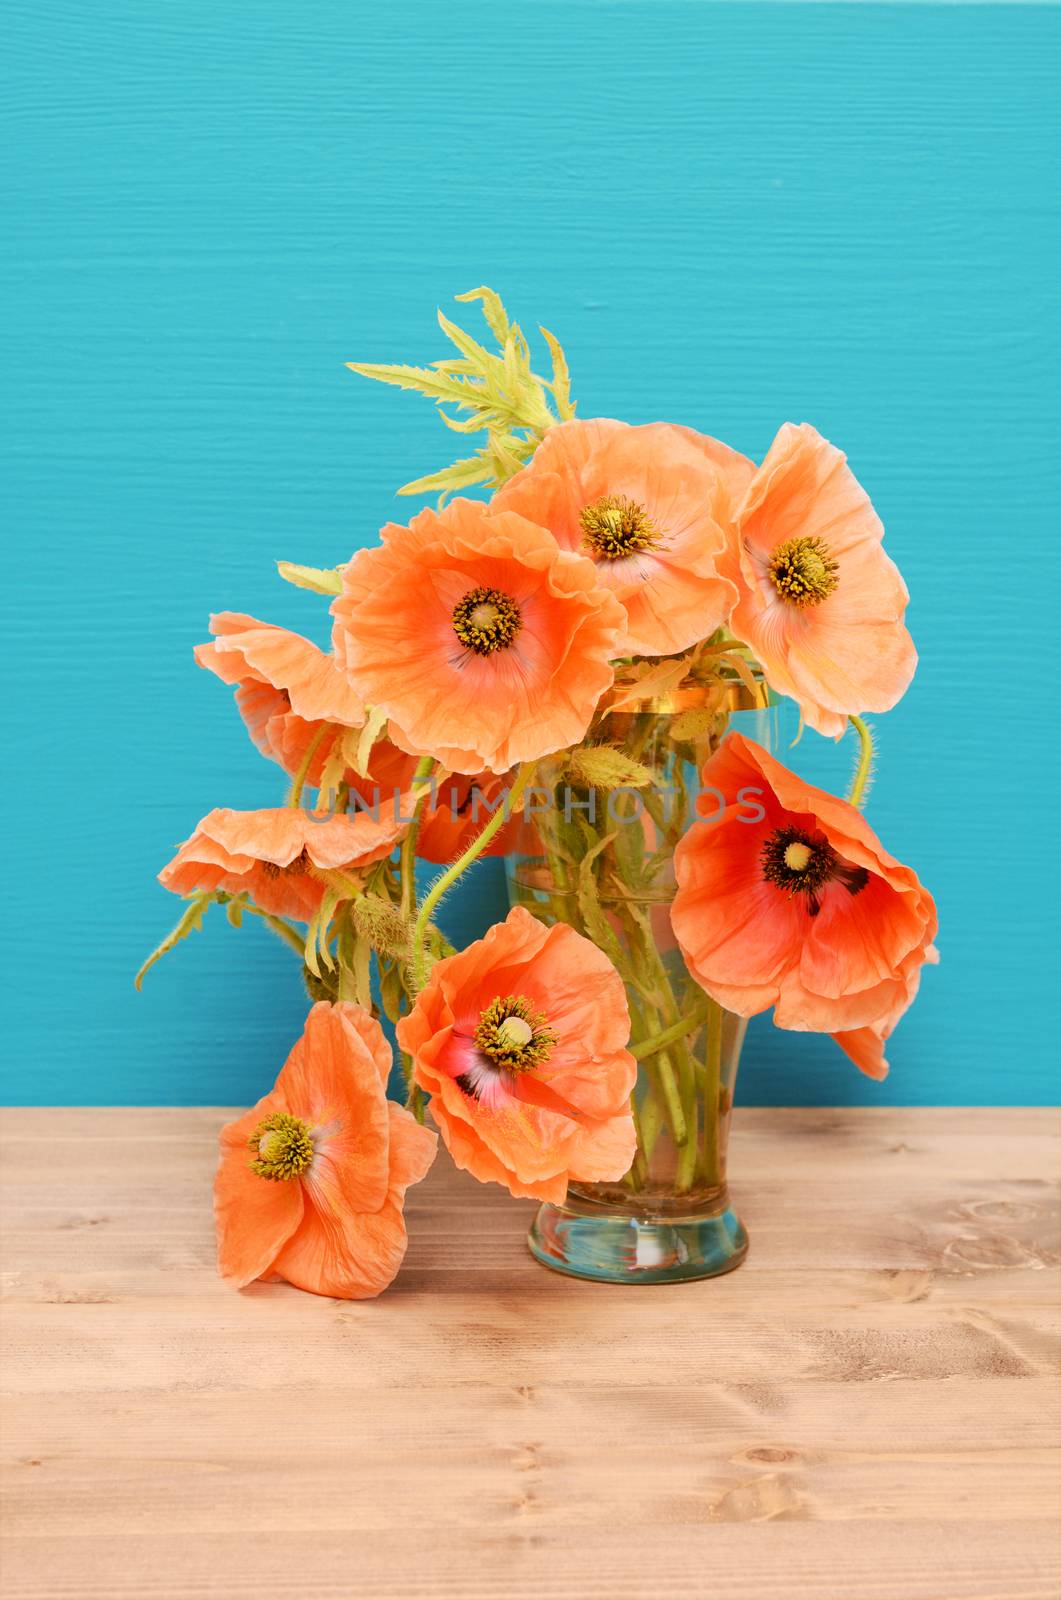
732	214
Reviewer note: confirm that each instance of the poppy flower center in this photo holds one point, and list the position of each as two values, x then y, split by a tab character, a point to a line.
283	1147
294	869
486	620
804	863
803	571
513	1035
613	527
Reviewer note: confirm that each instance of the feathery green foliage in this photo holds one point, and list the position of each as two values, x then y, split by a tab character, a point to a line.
501	394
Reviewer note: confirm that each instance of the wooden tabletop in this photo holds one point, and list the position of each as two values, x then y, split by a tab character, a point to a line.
867	1410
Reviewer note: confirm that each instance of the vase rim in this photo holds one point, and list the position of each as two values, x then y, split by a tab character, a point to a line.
721	694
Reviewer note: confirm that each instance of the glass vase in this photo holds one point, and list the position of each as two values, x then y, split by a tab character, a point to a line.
603	861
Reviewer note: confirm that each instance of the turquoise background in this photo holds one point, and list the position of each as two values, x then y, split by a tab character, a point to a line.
732	215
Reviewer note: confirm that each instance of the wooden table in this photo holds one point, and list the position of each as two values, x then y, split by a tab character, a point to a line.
867	1410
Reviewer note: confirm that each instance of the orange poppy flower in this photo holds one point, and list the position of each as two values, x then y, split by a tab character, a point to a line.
649	508
270	854
484	642
286	688
800	908
865	1046
311	1182
520	1040
461	809
820	603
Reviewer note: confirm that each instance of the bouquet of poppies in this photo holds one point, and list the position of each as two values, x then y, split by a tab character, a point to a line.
557	673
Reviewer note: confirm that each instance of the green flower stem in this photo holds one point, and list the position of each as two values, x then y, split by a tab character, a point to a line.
651	1123
414	1100
407	857
346	887
672	1097
856	793
660	1065
362	973
635	1178
654	1104
282	929
462	863
684	1069
294	799
345	958
677	1030
710	1164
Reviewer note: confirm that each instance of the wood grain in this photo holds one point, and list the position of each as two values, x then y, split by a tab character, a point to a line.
867	1410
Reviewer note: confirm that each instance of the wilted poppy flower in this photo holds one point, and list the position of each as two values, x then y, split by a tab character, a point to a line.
271	854
460	810
649	508
820	603
311	1182
521	1042
290	694
484	642
802	908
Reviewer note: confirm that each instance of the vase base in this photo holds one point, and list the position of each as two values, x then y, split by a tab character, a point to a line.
609	1246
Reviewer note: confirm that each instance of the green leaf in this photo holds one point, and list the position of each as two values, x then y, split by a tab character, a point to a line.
481	360
561	384
391	989
366	738
189	922
492	308
328	904
334	767
594	920
322	580
461	475
425	380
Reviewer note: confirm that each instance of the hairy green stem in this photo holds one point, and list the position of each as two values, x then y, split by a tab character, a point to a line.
294	799
462	863
407	856
857	791
281	928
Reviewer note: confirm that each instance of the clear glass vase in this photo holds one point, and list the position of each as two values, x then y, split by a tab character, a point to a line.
604	862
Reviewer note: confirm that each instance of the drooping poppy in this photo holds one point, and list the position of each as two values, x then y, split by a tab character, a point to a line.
311	1182
270	854
787	898
294	698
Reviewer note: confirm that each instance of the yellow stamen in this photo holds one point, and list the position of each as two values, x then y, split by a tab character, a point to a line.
282	1146
614	526
513	1034
486	620
803	571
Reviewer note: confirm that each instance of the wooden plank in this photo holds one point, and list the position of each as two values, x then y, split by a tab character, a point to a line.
885	1365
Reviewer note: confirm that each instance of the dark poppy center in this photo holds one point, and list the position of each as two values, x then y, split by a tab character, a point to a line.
803	863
